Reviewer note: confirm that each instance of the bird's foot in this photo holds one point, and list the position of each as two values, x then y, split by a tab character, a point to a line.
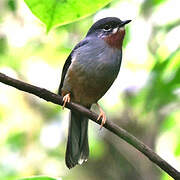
66	99
101	116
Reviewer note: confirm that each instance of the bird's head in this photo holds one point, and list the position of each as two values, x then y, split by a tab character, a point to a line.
110	29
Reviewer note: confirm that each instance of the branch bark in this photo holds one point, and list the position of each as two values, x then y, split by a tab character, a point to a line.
129	138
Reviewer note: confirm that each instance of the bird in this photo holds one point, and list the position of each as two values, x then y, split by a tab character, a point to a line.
87	74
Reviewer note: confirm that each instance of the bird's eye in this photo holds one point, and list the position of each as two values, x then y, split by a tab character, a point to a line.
107	28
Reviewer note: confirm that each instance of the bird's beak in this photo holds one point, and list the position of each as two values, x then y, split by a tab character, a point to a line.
125	22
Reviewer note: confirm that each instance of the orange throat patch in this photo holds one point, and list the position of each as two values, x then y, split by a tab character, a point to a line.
115	40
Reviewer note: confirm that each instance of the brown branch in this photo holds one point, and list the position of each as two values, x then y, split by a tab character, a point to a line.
129	138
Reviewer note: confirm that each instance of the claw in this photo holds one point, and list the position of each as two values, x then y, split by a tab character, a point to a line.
102	116
66	99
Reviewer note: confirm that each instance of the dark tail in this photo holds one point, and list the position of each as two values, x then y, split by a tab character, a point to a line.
77	150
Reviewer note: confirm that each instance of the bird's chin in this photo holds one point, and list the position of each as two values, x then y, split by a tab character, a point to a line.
121	29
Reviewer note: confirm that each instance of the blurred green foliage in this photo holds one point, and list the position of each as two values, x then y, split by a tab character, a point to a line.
12	5
39	178
144	100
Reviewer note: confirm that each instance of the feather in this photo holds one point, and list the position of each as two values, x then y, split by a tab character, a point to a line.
68	63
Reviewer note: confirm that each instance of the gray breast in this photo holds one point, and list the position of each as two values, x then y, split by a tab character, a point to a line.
92	72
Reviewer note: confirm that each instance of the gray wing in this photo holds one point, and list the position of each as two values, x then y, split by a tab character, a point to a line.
68	63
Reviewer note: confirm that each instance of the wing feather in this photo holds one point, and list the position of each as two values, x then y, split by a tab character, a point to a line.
68	63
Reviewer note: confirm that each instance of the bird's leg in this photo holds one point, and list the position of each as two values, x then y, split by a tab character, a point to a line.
66	99
102	116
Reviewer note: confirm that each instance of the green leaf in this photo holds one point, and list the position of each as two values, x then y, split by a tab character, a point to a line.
40	178
60	12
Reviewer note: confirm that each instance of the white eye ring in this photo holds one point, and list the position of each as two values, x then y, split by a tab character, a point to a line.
109	28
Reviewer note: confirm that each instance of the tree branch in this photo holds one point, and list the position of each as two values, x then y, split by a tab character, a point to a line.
129	138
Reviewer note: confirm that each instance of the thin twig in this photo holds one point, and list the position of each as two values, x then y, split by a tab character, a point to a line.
129	138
